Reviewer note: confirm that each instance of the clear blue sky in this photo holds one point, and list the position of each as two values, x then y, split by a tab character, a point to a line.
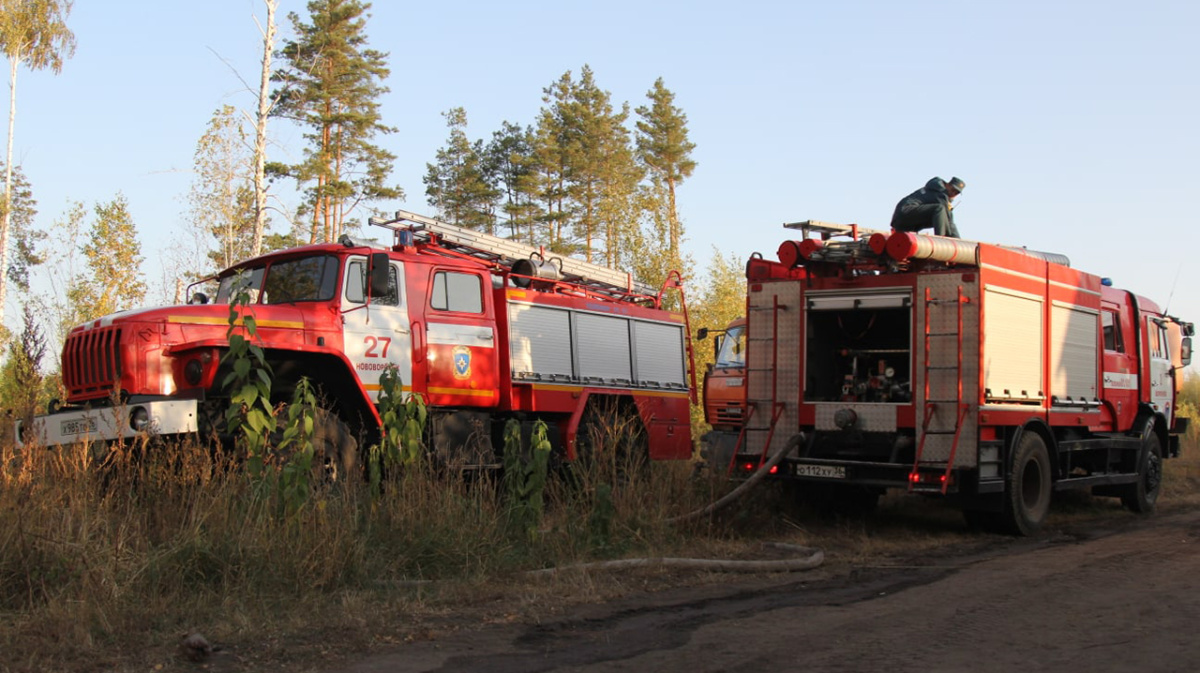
1074	124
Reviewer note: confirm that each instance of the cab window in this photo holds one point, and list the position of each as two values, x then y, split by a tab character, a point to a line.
458	292
296	280
731	353
1112	332
356	283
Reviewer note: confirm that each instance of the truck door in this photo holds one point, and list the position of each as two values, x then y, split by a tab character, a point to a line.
1161	383
460	338
1120	378
376	334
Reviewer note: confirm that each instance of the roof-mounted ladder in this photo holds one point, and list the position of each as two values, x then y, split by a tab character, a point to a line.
506	252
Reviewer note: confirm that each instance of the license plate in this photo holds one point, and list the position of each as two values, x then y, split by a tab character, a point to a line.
821	471
79	426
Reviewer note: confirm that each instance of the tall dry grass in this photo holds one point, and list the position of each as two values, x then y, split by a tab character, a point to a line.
108	562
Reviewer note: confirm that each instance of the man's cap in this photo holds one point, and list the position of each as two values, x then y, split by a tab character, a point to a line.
957	184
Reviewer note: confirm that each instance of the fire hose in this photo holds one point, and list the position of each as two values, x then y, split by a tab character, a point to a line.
811	558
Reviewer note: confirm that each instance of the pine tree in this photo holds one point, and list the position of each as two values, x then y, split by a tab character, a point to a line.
35	33
663	146
552	142
113	256
457	184
221	200
331	84
21	378
23	237
510	168
603	176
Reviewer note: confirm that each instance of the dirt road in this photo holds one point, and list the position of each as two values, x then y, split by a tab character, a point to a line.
1096	599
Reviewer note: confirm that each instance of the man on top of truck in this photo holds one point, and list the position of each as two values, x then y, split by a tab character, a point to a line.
929	206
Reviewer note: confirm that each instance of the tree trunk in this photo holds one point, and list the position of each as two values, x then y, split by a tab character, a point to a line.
260	131
673	219
8	169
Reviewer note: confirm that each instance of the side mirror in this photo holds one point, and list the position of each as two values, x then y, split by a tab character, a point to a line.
1185	351
198	298
380	262
702	334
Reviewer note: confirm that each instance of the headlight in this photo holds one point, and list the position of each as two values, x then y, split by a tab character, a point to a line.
139	419
193	372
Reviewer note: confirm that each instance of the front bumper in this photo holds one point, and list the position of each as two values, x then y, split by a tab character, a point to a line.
134	419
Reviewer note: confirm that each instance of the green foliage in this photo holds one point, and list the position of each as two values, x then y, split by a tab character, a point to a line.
21	384
250	414
296	446
23	237
402	431
34	33
509	167
1189	403
457	184
525	475
588	176
113	256
663	146
721	299
331	84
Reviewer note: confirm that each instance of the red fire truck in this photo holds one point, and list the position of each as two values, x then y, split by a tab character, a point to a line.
987	374
484	329
724	393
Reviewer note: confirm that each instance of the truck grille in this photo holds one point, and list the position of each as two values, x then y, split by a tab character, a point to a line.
92	363
729	415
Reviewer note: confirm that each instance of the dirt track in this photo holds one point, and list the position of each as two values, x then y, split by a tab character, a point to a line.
1110	597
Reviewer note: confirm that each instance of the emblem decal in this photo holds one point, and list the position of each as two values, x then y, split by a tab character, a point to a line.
462	362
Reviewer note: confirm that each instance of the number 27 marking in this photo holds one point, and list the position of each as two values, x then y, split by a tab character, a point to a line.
376	342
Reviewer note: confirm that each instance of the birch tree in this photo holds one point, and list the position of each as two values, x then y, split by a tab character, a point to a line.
265	103
221	200
33	33
113	256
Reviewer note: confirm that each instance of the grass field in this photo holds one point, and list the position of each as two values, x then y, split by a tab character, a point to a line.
106	568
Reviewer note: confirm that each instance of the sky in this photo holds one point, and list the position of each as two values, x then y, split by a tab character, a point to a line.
1074	124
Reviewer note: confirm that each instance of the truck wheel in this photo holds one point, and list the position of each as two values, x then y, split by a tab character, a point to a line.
335	449
1142	496
1028	497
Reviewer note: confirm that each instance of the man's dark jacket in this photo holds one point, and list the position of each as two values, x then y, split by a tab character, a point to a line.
909	216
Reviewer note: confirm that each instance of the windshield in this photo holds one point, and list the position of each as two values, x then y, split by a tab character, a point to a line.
293	280
732	353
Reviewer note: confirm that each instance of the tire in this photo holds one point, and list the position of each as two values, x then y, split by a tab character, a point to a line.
335	449
1027	500
611	442
1142	496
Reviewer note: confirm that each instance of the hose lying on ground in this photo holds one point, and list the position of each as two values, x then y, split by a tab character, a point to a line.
745	486
813	558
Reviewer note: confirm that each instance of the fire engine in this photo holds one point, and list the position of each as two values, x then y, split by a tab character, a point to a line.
986	374
724	392
482	328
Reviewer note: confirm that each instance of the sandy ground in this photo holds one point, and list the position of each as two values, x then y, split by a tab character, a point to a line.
1117	595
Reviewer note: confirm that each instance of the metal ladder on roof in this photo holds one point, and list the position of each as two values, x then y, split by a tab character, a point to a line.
507	252
956	406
